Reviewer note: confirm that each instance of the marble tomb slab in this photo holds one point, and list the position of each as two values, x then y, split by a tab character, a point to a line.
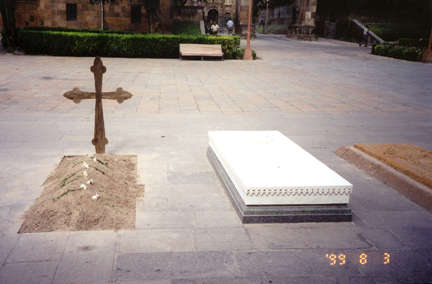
269	178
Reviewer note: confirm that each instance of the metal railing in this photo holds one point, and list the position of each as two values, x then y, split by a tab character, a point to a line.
369	32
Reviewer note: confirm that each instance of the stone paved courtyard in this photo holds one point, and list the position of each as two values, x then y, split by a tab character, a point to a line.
323	95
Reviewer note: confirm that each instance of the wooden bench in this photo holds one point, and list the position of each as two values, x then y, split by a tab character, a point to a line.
201	50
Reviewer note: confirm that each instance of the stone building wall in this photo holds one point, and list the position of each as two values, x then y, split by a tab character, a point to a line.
195	10
242	17
52	13
307	12
26	13
117	15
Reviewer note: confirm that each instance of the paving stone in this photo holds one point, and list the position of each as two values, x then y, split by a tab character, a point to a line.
291	264
156	266
88	258
164	220
39	247
222	239
300	280
86	267
218	280
90	241
156	240
28	273
200	177
10	216
414	236
171	198
406	266
380	238
275	236
144	282
7	244
217	219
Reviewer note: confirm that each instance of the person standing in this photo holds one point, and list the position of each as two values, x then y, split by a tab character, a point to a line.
230	25
364	38
214	28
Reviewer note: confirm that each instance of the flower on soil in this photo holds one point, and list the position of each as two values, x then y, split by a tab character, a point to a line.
85	173
85	165
96	196
83	186
90	181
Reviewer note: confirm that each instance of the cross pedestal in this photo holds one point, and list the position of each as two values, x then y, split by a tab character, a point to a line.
99	140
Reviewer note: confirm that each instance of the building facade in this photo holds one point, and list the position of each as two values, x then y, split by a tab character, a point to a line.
128	15
296	19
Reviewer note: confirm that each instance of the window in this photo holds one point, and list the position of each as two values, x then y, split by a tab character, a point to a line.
71	12
136	14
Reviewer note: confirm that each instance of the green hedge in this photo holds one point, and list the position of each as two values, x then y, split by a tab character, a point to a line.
415	42
107	44
401	52
240	53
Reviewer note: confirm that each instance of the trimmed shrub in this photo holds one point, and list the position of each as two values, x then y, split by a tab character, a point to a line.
381	49
108	44
240	53
401	52
3	41
414	42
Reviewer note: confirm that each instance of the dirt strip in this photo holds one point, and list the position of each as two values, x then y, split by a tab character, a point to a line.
87	193
404	167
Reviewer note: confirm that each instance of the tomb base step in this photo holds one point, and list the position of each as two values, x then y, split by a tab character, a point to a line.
278	213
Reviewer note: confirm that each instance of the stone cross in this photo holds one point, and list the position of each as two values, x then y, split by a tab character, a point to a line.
99	140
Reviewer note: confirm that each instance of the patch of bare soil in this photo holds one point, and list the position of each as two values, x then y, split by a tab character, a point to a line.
87	193
409	159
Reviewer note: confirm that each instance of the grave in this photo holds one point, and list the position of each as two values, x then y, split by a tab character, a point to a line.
269	178
88	192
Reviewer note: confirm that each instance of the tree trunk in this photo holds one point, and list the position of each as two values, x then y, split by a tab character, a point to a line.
427	55
7	9
150	22
102	14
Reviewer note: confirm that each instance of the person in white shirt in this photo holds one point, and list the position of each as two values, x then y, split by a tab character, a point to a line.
214	28
230	25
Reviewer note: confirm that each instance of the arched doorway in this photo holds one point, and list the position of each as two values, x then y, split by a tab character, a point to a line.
227	17
213	16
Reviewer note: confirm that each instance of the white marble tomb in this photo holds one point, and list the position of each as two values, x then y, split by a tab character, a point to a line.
267	168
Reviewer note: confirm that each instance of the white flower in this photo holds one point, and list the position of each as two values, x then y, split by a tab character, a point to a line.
85	173
83	186
94	159
85	165
96	196
90	181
